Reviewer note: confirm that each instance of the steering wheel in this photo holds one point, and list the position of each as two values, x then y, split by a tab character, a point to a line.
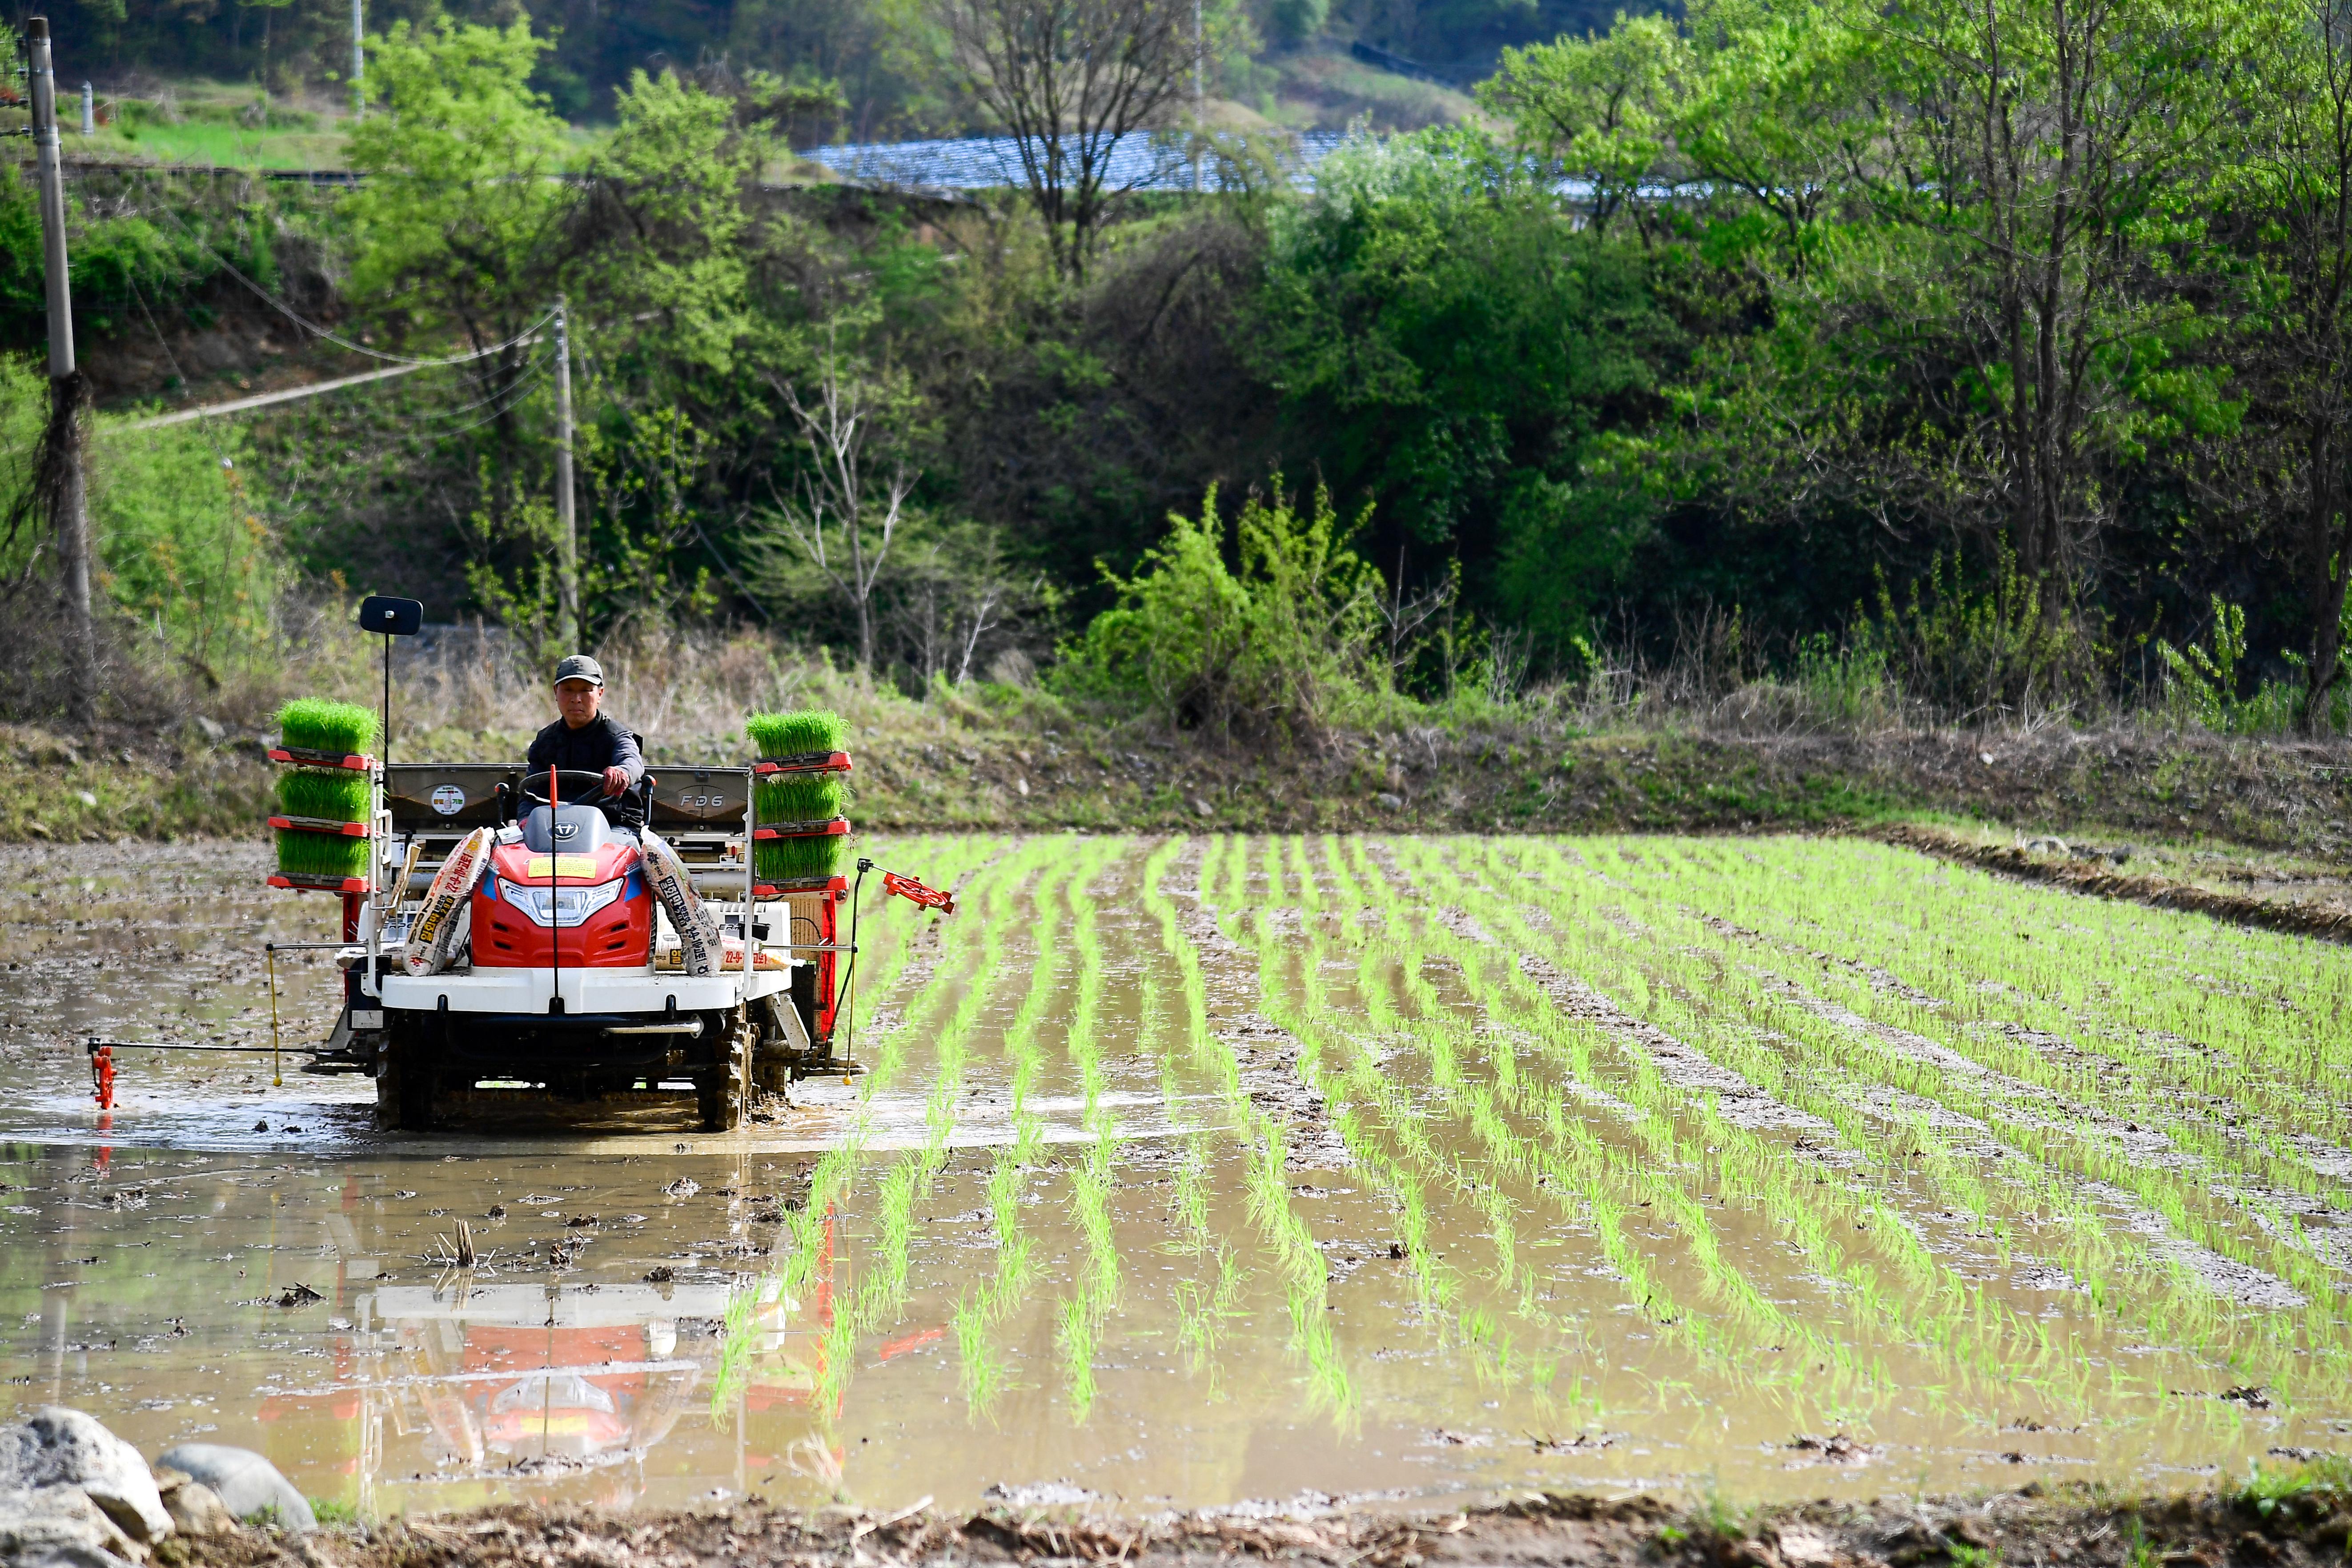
577	786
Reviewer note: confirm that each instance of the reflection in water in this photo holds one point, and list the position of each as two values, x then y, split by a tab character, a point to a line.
520	1377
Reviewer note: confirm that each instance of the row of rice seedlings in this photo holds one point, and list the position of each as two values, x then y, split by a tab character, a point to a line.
1095	1289
1515	1155
1091	1180
1202	1309
2106	1063
1793	1081
979	1314
807	1242
1296	1258
1486	969
2058	1135
2261	1013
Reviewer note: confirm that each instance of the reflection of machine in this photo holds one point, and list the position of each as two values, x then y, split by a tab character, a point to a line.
466	1393
509	1374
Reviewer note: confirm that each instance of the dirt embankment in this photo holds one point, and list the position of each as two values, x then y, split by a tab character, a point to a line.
2330	918
1043	767
2082	1528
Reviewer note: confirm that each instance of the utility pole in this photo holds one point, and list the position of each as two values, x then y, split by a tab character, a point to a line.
68	390
567	534
1199	73
359	67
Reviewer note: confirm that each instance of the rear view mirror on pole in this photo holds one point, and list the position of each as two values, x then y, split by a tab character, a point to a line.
388	617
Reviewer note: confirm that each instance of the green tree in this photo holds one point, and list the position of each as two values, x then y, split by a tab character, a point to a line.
461	219
2295	191
665	233
1600	110
2056	153
1447	344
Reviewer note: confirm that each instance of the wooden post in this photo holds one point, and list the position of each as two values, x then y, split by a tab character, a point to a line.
68	393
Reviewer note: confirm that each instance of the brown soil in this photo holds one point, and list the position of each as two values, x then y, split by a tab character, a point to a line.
1044	767
2074	1526
2331	919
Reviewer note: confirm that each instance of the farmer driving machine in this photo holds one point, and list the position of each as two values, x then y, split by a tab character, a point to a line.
512	930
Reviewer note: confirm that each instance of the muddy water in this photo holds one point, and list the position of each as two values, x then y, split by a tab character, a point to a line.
1146	1199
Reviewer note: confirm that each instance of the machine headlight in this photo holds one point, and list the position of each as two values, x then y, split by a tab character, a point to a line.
559	906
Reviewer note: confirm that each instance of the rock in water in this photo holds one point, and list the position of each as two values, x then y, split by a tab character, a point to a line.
245	1483
56	1447
58	1527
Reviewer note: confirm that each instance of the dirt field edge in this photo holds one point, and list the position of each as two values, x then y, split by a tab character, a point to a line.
2265	792
2288	1522
2093	879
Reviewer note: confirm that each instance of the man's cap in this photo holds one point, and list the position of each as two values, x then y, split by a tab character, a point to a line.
579	667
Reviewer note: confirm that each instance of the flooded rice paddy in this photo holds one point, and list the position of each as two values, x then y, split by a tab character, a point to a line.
1196	1170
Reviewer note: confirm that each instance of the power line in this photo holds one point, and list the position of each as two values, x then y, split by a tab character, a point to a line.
283	309
537	369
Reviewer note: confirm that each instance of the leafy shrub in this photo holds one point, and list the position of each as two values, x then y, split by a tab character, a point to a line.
2201	684
795	734
1284	646
1846	684
1966	652
185	551
335	794
317	724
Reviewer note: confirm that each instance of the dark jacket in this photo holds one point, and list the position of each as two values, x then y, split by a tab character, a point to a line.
595	746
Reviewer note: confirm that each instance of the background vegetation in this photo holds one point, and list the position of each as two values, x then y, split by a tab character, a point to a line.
1821	362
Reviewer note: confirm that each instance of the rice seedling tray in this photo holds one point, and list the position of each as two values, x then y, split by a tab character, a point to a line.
305	882
321	825
831	828
804	763
303	756
787	886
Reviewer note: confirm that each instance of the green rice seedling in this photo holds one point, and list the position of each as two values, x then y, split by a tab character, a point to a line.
330	795
796	733
321	854
801	797
783	859
982	1367
1199	1322
318	724
1076	1339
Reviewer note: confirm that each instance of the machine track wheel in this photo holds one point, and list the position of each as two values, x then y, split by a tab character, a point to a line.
721	1088
404	1080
